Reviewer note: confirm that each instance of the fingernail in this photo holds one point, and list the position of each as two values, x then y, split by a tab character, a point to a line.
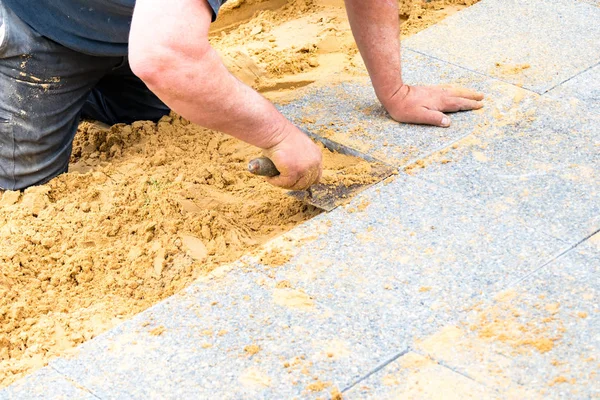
445	121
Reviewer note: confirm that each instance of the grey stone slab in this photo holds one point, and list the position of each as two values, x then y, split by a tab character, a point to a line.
582	89
535	43
568	292
45	383
350	113
414	376
200	349
538	163
538	339
559	302
592	244
414	255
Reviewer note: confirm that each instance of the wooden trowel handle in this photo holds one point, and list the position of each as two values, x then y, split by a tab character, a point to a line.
263	166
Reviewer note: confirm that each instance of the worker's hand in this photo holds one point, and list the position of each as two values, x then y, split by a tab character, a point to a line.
427	104
298	160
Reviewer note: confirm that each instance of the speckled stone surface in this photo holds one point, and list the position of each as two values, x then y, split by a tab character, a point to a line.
46	384
415	376
401	261
417	246
582	89
534	43
492	351
350	113
537	162
201	348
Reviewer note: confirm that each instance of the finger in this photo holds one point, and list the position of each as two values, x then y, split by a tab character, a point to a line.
431	117
457	91
310	179
304	182
465	93
301	182
454	104
319	175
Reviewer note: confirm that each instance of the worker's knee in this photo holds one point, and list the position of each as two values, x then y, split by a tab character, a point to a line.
43	87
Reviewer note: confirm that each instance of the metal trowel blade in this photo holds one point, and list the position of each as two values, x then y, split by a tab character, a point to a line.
328	197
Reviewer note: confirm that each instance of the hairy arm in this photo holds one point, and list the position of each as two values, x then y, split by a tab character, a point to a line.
169	50
376	29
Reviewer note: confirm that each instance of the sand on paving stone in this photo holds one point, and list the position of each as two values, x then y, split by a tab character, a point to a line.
147	208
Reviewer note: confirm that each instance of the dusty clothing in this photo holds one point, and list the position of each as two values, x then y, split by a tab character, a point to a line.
44	88
59	60
96	27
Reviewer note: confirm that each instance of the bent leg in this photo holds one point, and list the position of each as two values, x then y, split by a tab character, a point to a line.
43	87
122	97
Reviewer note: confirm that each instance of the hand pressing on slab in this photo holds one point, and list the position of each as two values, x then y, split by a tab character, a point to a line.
376	29
427	104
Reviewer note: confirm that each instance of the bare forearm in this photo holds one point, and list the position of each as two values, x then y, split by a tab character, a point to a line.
169	50
376	29
205	93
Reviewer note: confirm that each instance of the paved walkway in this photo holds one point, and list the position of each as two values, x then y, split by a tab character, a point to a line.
475	273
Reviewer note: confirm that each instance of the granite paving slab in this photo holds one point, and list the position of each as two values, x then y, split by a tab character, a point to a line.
350	113
240	337
46	384
582	89
412	249
417	376
563	301
534	43
538	339
538	162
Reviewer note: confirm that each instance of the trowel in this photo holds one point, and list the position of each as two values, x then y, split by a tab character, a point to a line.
327	196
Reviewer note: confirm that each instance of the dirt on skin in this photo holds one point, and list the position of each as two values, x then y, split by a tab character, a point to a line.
146	208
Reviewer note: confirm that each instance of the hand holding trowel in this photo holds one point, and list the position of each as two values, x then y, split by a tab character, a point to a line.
326	196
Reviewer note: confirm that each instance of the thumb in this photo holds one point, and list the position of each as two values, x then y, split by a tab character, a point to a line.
436	118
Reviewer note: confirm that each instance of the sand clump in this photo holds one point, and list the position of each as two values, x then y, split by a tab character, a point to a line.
317	386
275	258
252	349
346	170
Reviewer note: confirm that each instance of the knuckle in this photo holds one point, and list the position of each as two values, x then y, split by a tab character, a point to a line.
454	104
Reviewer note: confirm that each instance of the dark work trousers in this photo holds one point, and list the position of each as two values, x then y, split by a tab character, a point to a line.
44	90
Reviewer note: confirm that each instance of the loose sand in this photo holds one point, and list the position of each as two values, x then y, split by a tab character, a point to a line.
146	208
